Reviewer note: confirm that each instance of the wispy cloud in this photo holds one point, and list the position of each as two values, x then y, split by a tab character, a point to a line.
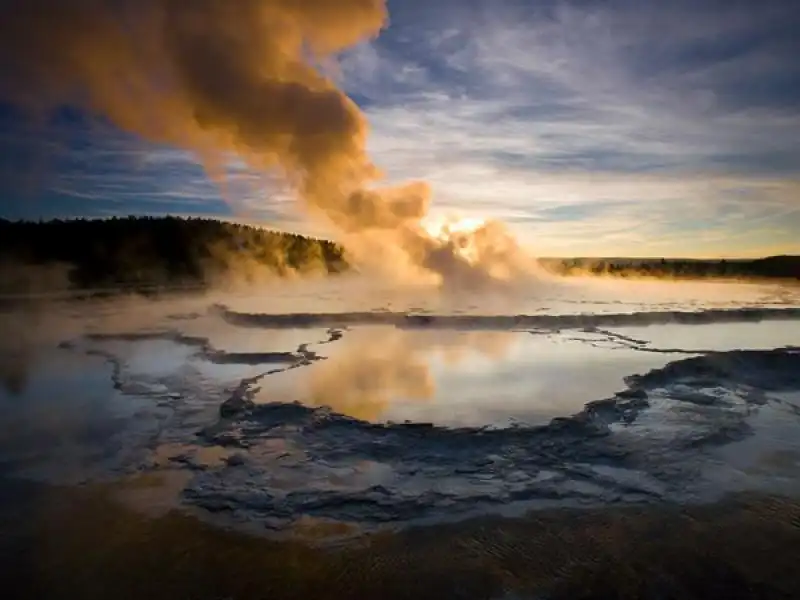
597	127
98	171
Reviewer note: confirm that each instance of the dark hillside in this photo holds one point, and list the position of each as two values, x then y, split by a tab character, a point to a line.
146	251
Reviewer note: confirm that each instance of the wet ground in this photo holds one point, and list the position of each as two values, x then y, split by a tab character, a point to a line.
81	543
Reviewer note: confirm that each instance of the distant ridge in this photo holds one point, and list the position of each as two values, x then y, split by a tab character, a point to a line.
784	267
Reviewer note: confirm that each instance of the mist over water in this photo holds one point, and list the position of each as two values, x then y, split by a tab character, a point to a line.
547	295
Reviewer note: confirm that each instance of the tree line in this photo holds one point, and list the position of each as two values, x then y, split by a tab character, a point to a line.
136	252
772	267
152	251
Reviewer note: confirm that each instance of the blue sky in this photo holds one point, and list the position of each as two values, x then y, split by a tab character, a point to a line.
591	128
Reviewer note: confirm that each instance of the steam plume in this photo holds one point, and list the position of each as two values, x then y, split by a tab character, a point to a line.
246	77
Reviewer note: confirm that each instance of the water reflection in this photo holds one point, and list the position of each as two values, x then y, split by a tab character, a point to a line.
65	423
376	368
14	371
723	337
458	378
17	352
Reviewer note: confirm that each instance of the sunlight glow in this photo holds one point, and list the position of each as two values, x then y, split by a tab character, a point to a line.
442	228
457	233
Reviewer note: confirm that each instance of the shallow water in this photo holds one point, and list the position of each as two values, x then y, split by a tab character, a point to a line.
548	296
264	412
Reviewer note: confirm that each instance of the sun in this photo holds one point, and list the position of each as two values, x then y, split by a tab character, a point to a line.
443	228
456	235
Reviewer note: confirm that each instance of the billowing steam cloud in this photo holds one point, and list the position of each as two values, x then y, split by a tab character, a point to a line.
245	77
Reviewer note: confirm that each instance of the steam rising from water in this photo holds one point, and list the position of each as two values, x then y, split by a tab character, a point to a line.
249	78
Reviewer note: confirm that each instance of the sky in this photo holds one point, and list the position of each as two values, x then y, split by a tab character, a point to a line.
592	128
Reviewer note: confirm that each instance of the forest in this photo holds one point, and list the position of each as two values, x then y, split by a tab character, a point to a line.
136	252
772	267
